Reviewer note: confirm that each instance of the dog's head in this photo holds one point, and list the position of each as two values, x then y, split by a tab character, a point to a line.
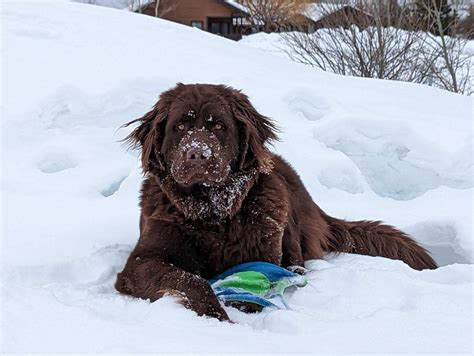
200	134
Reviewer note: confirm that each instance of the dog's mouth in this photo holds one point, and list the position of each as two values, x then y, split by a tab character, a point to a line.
209	173
200	159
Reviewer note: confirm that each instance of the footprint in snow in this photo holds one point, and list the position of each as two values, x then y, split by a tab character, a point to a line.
56	162
312	109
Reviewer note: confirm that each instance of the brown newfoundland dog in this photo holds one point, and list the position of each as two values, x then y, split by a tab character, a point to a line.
214	197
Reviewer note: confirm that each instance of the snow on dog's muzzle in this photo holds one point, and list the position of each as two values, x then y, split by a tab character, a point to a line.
199	159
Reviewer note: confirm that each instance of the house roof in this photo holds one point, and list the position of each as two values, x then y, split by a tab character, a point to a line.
230	3
316	11
236	5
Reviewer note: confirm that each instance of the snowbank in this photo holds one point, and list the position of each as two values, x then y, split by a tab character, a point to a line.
73	73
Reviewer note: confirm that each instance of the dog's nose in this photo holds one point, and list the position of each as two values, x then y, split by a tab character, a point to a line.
198	155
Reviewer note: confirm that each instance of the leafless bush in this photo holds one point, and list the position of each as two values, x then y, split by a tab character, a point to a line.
449	62
383	49
447	56
350	47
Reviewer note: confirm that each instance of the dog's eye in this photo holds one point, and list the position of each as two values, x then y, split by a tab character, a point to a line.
180	127
218	126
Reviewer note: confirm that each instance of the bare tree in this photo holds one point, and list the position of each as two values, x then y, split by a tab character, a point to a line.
465	27
135	5
159	7
451	67
272	15
427	13
162	7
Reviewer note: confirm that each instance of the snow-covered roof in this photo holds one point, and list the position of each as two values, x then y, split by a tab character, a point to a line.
316	11
237	5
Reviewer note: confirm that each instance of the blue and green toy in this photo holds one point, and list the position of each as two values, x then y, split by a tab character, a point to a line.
258	283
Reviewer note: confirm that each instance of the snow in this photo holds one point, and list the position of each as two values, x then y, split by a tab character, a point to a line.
129	5
316	11
274	43
366	149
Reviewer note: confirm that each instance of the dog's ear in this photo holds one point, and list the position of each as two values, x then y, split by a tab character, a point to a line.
149	134
255	131
146	136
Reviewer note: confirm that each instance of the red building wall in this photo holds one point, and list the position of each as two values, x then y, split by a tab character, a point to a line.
186	11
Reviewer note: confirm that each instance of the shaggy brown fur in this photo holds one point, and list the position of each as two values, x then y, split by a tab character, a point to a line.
215	197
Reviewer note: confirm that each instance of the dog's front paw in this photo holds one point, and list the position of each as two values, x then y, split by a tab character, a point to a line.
209	307
199	297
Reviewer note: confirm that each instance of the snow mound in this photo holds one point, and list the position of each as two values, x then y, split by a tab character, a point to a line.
390	153
353	295
366	149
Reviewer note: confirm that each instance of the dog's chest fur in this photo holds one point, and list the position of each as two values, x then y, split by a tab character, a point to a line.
207	248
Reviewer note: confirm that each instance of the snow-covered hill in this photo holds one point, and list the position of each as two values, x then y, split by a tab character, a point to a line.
73	73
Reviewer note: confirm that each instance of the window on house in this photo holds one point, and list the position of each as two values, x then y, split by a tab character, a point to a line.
215	28
225	28
220	26
197	24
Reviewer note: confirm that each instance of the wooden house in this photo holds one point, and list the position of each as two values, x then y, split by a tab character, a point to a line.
329	15
221	17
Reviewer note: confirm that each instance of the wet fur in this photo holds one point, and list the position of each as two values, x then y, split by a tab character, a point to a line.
271	217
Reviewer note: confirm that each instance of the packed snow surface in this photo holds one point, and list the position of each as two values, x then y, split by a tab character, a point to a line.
366	149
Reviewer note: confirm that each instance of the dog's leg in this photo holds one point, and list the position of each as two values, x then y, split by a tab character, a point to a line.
292	255
373	238
148	275
150	278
